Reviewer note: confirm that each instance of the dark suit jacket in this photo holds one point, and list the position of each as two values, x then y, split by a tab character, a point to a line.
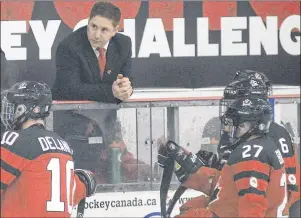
77	69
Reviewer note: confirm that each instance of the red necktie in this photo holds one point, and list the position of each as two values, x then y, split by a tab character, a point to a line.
101	60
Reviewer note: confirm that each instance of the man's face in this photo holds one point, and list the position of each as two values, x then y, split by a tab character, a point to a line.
243	128
100	30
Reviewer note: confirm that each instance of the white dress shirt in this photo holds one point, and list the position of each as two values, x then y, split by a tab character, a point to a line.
105	47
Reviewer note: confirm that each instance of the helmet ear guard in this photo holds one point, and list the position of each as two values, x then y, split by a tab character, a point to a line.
20	109
39	112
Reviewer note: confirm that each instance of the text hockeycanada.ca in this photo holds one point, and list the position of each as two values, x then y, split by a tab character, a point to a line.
135	202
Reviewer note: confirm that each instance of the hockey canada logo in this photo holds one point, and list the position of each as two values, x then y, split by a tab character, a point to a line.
22	85
246	102
253	83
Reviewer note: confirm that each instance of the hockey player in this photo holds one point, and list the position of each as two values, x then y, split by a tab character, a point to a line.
38	178
234	90
285	144
254	170
255	84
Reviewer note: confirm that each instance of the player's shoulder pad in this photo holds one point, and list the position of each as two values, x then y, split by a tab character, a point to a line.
282	138
261	149
9	138
14	141
279	131
33	142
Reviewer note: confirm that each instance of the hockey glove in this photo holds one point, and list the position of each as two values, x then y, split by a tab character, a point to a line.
164	159
224	158
212	160
208	158
186	162
88	178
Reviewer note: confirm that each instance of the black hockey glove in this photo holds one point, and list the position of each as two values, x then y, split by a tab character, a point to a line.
225	144
208	158
88	178
164	159
212	160
181	173
186	162
224	157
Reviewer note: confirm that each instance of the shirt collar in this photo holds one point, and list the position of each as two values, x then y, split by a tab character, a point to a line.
105	47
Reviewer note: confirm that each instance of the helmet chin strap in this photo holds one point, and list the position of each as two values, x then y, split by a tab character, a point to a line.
243	138
17	124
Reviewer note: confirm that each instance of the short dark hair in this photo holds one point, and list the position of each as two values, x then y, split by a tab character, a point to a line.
107	10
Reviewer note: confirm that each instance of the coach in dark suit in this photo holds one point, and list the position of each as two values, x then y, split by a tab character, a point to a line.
94	63
90	59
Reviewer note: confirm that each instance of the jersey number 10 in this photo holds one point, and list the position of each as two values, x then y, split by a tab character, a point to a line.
55	204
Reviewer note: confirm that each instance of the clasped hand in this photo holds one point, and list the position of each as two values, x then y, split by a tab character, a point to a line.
122	88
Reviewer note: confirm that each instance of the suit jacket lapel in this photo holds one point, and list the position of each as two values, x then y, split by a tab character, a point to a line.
91	58
112	55
93	62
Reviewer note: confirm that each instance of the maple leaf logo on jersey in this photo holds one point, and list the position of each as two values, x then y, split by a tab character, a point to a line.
253	182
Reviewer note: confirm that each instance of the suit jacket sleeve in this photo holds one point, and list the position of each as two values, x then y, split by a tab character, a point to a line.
69	85
126	69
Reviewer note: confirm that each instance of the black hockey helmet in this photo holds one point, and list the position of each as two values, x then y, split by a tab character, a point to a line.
251	88
254	111
25	100
252	74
